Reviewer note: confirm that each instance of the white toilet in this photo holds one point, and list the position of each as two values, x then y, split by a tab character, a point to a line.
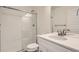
32	47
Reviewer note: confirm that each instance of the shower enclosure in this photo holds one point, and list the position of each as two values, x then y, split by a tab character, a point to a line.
18	29
29	30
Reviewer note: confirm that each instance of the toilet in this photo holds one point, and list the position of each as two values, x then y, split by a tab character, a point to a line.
33	47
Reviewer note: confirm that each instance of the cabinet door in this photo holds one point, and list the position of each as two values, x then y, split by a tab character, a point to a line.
42	48
51	47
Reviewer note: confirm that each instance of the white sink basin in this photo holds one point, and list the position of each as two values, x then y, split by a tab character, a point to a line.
58	37
71	35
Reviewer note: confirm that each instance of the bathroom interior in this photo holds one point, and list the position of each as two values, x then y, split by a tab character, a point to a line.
39	28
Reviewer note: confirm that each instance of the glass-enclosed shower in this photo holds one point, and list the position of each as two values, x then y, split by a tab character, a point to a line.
29	29
18	29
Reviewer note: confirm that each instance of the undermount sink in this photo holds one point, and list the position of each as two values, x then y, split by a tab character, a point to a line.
58	37
72	35
55	36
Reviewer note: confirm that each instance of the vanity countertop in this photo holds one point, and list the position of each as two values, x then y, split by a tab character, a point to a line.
72	42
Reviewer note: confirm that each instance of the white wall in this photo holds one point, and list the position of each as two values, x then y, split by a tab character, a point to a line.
43	20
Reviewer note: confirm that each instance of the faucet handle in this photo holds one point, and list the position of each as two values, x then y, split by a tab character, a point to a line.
65	31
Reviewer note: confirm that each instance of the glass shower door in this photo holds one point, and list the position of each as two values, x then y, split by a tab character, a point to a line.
28	29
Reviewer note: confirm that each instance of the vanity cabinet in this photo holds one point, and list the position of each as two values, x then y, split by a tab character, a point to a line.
48	46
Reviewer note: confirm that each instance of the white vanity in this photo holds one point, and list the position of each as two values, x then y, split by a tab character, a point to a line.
53	43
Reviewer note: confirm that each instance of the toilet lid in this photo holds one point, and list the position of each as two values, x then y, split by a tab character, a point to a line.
33	45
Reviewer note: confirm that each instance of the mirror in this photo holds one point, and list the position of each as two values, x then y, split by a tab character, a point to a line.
65	17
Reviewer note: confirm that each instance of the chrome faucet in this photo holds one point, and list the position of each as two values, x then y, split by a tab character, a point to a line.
62	32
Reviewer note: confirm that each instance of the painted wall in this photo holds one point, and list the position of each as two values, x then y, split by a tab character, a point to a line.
44	20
